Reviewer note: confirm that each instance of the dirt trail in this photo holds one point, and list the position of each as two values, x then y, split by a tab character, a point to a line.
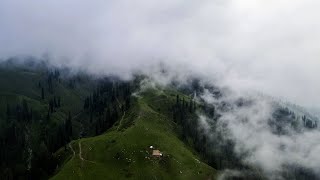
80	154
74	153
80	151
119	104
124	113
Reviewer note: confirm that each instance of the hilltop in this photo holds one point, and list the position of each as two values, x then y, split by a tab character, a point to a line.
124	150
48	114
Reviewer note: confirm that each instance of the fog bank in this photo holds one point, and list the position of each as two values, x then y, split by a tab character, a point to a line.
270	46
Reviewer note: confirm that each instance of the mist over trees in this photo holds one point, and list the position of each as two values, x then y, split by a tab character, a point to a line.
71	74
243	126
33	127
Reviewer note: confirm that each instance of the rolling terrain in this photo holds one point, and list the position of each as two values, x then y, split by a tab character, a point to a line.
124	150
57	124
34	105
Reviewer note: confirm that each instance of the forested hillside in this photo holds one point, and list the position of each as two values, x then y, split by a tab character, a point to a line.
43	108
60	124
124	151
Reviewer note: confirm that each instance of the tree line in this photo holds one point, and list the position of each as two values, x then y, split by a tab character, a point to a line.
107	103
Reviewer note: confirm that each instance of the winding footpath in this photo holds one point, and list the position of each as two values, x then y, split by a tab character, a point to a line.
124	113
80	154
74	153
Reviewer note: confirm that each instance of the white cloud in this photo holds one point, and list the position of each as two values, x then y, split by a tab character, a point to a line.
271	46
266	45
249	127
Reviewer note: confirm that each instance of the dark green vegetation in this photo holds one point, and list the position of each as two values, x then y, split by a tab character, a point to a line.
123	151
62	125
42	109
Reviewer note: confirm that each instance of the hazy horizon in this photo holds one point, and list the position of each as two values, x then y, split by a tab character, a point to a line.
266	46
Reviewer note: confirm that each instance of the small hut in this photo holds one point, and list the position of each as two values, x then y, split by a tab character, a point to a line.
156	153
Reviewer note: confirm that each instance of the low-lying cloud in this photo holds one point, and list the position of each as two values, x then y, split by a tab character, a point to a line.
270	46
250	128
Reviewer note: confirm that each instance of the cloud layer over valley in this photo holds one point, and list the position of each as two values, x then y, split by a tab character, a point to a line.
270	46
280	148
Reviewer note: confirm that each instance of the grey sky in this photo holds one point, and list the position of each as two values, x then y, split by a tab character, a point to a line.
270	46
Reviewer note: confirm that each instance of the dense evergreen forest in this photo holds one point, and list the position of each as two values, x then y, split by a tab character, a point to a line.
218	151
43	109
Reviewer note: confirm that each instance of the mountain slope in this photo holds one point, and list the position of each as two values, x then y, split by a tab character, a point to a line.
42	109
123	151
34	104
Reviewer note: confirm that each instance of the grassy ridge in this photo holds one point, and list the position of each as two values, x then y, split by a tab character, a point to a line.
123	152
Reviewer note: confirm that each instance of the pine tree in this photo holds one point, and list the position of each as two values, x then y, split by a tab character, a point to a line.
25	110
178	99
68	126
127	106
59	102
86	103
42	93
55	102
8	112
48	116
30	114
91	116
190	106
97	130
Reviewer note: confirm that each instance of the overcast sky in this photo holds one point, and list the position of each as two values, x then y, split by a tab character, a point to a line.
266	45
